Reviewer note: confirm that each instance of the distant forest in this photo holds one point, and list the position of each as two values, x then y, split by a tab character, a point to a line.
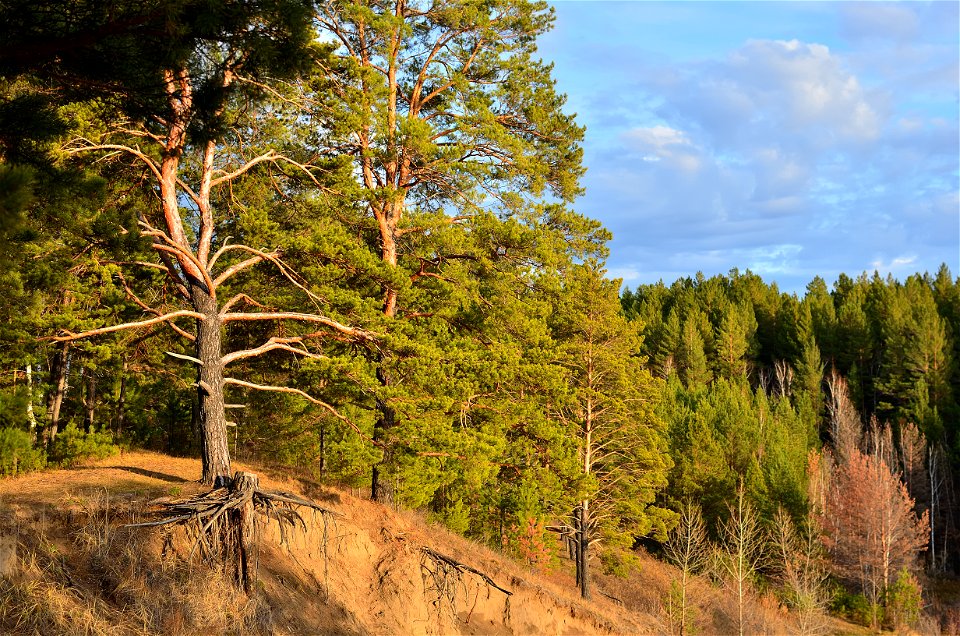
756	379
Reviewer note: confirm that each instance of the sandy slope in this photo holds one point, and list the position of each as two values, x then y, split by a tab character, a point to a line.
370	575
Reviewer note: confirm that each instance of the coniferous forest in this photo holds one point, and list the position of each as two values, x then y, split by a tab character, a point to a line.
342	236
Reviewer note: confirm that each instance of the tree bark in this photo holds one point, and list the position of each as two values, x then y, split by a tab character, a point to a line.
584	550
59	366
241	526
90	399
31	418
381	490
214	444
121	402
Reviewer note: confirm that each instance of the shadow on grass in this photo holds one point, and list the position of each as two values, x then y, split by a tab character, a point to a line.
173	479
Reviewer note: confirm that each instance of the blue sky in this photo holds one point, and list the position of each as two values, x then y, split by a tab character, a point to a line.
791	139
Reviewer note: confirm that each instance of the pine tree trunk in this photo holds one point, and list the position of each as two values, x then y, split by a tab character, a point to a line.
31	418
578	562
59	366
121	402
381	489
242	526
90	399
214	444
584	551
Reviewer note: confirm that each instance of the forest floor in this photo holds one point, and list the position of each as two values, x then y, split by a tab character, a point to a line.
75	569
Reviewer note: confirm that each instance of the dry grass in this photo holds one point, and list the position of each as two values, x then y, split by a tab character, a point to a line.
82	572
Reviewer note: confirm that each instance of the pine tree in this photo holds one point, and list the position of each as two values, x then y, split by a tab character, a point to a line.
693	357
733	341
453	128
169	81
610	410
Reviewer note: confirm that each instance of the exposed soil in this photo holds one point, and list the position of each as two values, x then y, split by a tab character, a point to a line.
79	571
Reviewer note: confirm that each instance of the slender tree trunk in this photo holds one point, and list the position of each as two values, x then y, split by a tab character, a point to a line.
584	552
121	402
59	367
30	415
576	544
380	487
214	443
90	399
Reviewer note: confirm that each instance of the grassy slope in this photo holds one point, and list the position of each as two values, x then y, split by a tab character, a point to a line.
80	572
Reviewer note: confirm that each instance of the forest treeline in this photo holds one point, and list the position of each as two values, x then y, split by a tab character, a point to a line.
838	407
340	236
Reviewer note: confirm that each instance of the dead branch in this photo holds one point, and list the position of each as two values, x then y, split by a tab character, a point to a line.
283	344
184	357
286	389
289	315
88	145
70	336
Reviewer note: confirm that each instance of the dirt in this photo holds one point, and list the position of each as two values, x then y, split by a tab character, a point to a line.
362	571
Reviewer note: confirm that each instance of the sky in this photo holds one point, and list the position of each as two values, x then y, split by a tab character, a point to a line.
791	139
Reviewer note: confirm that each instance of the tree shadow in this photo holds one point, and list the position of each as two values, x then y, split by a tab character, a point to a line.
173	479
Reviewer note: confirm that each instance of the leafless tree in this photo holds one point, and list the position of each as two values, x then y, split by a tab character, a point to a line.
742	554
800	567
846	430
870	527
689	549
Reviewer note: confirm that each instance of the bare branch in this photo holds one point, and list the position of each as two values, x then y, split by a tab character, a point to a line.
314	318
270	155
233	301
91	146
271	344
184	357
236	269
70	336
306	396
147	308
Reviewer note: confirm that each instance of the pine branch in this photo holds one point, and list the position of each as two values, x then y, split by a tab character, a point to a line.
70	336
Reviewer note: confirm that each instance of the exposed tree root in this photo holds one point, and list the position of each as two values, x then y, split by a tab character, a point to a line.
227	522
446	579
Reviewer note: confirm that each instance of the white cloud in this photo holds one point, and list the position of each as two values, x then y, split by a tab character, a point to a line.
787	157
803	86
663	143
659	137
627	274
896	263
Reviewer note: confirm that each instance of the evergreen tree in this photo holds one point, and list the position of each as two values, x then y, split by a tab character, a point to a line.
610	410
453	126
170	79
694	367
734	335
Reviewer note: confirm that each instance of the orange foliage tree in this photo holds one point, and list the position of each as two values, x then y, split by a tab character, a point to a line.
870	526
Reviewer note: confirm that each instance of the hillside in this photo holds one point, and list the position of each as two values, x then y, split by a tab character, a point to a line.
78	571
